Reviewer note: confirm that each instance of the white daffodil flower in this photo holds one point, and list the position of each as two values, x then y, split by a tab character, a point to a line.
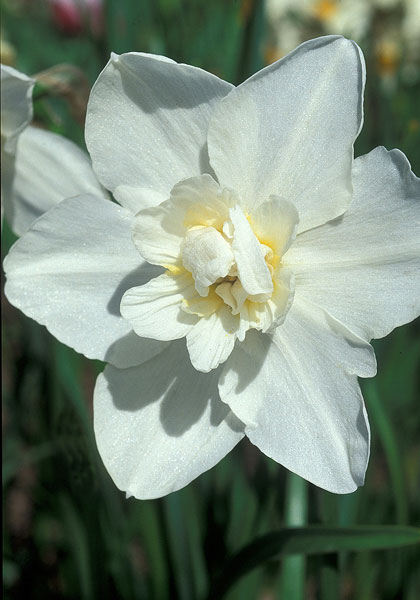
247	228
39	168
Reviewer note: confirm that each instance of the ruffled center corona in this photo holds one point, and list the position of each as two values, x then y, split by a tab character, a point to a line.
224	268
232	267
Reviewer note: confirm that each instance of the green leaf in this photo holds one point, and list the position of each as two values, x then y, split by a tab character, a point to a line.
311	540
383	425
78	545
144	524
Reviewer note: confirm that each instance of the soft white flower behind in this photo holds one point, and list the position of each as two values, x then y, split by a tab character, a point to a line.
247	227
288	18
392	28
16	114
39	168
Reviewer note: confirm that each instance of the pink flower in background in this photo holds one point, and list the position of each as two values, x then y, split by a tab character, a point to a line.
72	16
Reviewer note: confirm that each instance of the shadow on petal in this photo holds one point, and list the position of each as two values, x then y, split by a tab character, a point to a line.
169	379
149	77
247	360
175	420
204	162
139	276
132	350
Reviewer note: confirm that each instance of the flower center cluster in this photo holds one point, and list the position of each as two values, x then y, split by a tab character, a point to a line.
225	269
230	266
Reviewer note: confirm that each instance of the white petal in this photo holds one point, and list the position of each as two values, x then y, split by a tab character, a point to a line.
289	130
212	339
154	309
252	268
202	306
364	268
207	256
47	169
150	116
300	398
16	105
69	272
161	425
268	315
159	231
275	223
232	294
135	198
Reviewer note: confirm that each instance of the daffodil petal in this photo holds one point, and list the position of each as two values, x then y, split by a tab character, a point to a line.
154	309
69	272
207	255
142	98
212	339
275	223
134	197
365	268
300	400
253	271
47	169
16	105
159	231
160	425
289	130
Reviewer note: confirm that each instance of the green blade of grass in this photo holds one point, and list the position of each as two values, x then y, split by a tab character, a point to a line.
176	529
383	426
311	540
78	545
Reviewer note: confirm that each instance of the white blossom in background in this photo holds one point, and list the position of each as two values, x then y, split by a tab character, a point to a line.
348	17
16	114
289	19
39	168
411	23
391	26
285	26
235	289
411	37
16	106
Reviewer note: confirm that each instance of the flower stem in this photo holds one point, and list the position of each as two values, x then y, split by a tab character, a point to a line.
292	582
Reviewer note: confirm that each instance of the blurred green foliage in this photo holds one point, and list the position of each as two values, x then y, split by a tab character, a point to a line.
69	533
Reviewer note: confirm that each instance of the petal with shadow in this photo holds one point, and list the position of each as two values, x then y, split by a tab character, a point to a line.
160	425
149	116
155	308
69	272
47	169
300	399
289	130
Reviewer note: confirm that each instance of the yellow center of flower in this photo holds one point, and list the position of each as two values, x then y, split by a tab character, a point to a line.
226	270
231	266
